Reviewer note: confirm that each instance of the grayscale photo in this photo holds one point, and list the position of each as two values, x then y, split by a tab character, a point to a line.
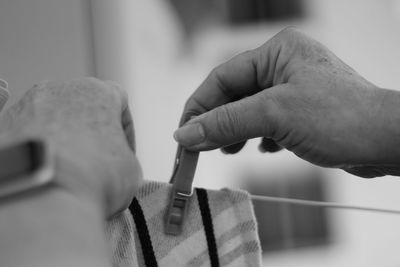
168	133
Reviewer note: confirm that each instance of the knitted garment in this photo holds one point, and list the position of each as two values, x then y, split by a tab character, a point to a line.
219	230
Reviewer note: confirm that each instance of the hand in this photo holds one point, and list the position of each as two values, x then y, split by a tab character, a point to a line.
298	93
88	124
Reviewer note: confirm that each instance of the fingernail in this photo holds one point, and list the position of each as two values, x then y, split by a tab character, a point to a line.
190	134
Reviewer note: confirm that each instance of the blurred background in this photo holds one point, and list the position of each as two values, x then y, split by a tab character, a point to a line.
160	51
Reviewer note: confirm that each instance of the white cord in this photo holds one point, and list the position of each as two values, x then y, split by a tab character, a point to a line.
320	204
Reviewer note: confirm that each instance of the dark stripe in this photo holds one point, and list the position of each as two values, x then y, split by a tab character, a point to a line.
143	233
208	226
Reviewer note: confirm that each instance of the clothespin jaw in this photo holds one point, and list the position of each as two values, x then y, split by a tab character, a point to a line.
182	180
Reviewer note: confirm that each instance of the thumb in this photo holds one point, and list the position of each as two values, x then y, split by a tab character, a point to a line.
250	117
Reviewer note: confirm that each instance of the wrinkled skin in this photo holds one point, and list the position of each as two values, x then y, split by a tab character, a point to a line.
298	95
88	126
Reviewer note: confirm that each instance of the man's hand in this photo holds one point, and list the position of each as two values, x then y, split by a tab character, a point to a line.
88	124
296	92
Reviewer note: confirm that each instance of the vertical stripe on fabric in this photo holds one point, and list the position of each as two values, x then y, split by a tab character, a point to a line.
208	226
143	233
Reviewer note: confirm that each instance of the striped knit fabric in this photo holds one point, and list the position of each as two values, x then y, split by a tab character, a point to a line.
220	230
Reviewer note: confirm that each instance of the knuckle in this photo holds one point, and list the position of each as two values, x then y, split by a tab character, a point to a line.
38	91
218	76
228	122
92	86
90	80
40	86
189	104
192	109
296	43
114	85
88	84
289	31
248	54
292	34
215	74
272	111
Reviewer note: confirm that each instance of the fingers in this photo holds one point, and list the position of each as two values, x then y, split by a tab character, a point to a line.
266	145
242	77
127	126
4	94
247	73
86	102
269	145
126	117
235	122
233	149
230	81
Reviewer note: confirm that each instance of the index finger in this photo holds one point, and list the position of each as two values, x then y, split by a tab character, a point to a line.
239	77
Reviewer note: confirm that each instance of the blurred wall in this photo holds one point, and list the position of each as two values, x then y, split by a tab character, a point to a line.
44	40
137	44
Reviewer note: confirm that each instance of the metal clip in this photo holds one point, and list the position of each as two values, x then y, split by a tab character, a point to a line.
182	179
176	213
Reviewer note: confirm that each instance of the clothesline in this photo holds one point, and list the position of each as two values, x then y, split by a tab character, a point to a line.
322	204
